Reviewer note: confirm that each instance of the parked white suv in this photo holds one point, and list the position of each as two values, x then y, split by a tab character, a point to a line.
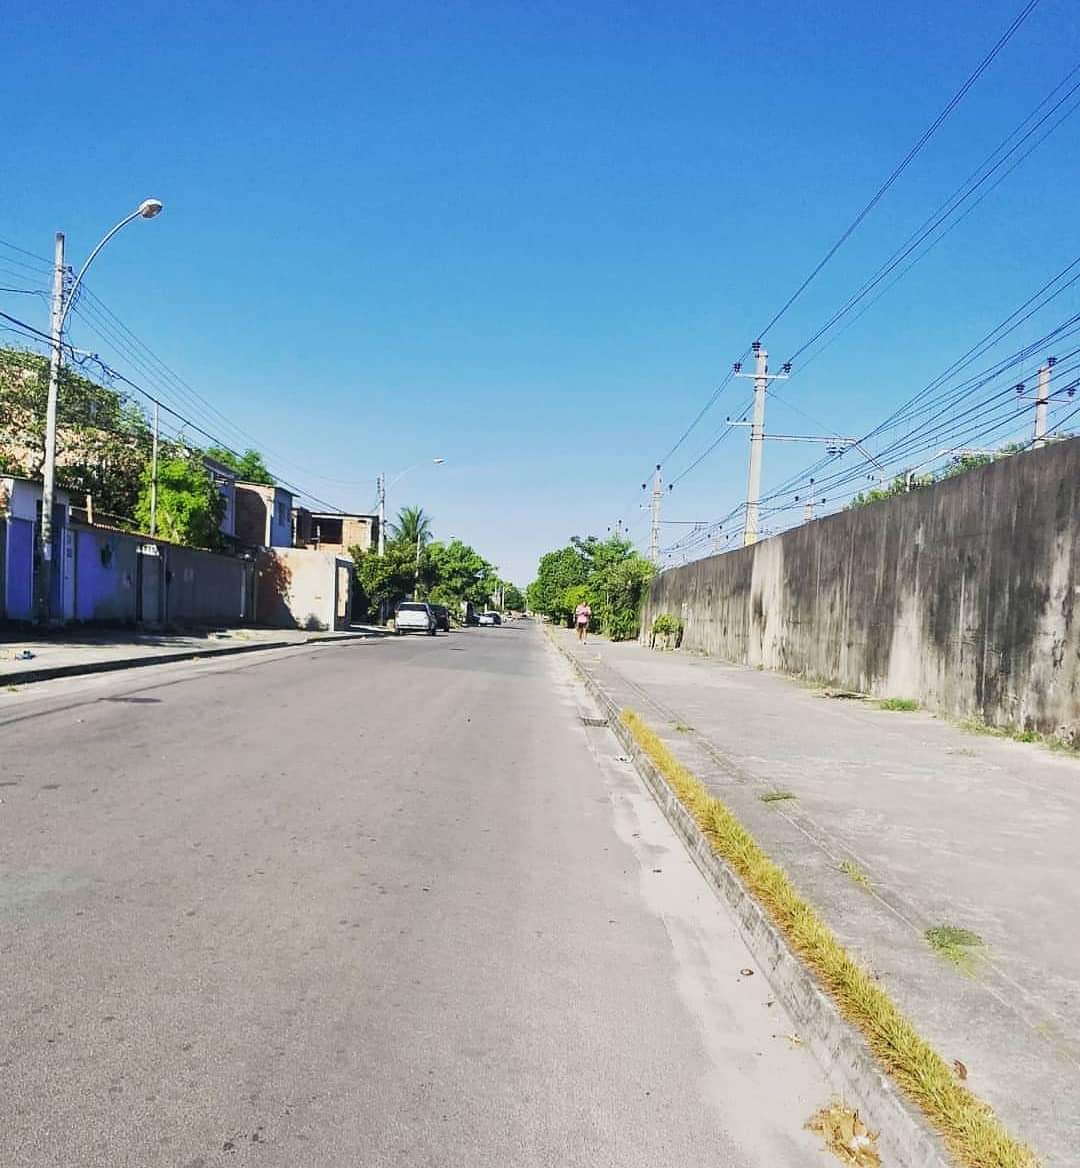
415	617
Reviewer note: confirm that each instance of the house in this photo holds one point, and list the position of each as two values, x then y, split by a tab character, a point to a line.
20	514
263	515
225	480
334	531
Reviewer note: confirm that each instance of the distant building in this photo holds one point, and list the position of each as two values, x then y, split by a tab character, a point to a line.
333	531
263	515
225	479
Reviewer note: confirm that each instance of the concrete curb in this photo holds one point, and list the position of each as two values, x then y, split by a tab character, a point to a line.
81	669
906	1139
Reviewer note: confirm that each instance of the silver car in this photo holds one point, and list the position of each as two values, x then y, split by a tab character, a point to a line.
414	616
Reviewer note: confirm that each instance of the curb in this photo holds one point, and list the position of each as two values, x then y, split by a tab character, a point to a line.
82	669
905	1137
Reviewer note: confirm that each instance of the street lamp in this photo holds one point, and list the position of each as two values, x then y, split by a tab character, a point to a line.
61	306
381	485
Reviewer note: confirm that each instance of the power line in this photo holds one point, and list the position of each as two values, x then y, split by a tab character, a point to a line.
927	134
108	371
955	201
897	171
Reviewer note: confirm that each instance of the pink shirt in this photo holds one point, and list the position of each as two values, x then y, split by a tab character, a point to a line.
583	613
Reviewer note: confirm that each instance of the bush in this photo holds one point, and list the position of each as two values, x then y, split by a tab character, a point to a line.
670	628
623	626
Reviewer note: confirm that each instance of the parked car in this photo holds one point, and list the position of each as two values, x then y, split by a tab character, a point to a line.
413	616
490	618
442	616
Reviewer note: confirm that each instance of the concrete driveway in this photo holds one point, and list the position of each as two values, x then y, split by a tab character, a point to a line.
388	904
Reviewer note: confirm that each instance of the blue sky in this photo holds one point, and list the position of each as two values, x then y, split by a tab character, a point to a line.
529	239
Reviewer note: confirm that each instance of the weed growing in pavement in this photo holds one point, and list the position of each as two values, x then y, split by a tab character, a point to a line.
683	728
1051	742
970	1129
850	868
905	704
957	945
776	796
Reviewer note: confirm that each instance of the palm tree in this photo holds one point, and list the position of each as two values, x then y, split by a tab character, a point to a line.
413	526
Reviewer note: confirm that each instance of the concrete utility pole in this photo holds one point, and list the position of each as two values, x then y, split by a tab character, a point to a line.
48	473
153	474
757	442
1042	405
1043	397
61	306
762	377
381	487
654	533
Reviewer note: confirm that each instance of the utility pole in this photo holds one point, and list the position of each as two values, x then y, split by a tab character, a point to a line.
654	534
61	305
762	377
382	514
757	441
808	510
1042	406
153	474
48	474
1043	397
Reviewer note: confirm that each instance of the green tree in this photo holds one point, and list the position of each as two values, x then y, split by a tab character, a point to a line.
558	570
384	581
412	525
249	467
189	505
607	573
513	599
102	442
455	572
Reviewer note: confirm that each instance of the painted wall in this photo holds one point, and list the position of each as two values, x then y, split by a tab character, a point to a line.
117	580
964	596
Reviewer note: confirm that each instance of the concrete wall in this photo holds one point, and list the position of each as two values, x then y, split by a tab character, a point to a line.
961	596
304	589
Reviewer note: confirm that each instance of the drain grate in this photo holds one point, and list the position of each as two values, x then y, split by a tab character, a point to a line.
593	721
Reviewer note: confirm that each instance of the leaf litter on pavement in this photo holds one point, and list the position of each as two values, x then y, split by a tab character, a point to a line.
846	1136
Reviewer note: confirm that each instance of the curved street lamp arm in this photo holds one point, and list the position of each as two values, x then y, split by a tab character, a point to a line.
69	300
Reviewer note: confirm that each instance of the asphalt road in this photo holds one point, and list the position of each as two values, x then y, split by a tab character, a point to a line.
380	904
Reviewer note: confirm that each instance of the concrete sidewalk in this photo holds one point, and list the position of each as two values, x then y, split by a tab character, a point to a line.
892	824
72	652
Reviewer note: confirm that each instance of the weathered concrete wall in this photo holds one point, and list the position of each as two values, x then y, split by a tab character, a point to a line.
304	589
961	596
203	588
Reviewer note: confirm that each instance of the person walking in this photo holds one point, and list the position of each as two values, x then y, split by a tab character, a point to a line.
582	615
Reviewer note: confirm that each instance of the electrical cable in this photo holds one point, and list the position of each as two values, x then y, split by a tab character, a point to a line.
927	134
115	374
